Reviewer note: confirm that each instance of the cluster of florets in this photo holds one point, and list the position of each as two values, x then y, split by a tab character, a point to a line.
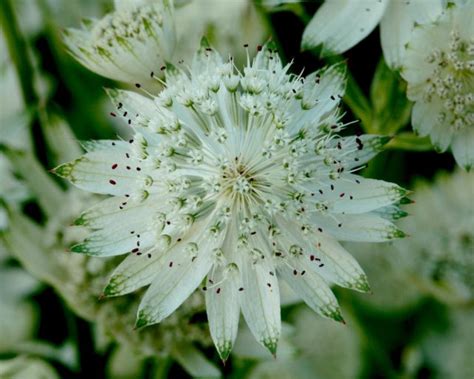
451	82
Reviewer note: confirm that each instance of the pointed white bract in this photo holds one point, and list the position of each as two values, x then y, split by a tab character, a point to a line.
233	180
439	69
130	44
341	24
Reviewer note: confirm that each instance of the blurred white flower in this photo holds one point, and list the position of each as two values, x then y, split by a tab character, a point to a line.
24	367
439	69
130	44
439	255
17	314
340	24
228	25
326	350
236	177
393	288
450	352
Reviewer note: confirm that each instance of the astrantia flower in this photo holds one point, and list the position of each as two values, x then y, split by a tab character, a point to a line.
130	44
341	24
440	251
234	179
439	69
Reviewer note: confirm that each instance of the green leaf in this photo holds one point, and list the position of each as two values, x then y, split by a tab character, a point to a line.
391	108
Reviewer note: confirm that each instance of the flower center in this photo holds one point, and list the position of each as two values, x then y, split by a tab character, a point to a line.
238	179
452	82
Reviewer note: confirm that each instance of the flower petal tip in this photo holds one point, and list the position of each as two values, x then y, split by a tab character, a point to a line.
272	346
224	350
142	320
63	171
80	248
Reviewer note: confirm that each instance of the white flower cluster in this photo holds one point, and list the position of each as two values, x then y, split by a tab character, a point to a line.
439	252
128	44
234	178
439	69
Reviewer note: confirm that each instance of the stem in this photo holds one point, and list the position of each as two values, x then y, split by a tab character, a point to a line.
18	51
370	341
358	103
161	368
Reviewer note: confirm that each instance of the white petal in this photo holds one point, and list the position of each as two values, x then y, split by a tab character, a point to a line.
326	257
463	147
120	225
441	136
365	227
343	269
194	361
356	195
223	309
341	24
371	146
137	271
398	22
312	288
174	282
324	88
261	304
133	273
113	171
423	117
138	111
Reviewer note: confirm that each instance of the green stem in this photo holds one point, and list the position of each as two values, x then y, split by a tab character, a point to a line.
358	103
369	340
161	368
18	51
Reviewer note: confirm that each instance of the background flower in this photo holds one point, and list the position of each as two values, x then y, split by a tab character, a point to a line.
128	44
439	69
340	24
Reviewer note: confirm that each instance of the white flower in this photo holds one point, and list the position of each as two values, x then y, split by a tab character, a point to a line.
227	24
17	314
340	24
234	178
450	351
131	44
439	69
439	255
27	367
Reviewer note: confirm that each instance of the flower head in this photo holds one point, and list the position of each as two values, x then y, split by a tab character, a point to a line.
440	255
439	69
341	24
233	180
130	44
